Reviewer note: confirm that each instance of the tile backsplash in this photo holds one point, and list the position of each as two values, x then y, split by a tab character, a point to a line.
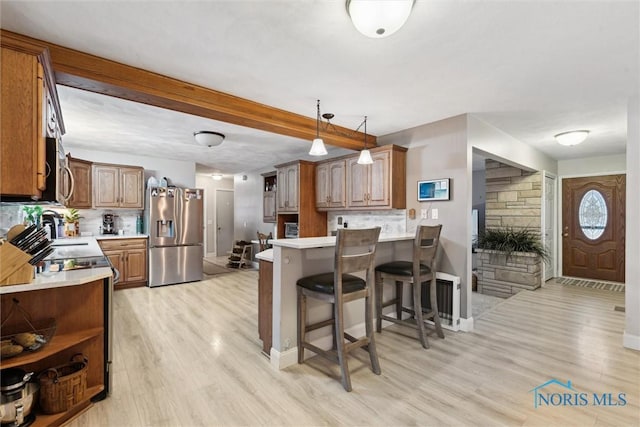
90	219
391	222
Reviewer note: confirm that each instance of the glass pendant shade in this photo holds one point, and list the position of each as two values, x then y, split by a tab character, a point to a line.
379	18
365	158
208	138
573	137
318	148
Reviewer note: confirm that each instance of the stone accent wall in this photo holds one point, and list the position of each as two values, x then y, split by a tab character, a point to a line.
513	197
504	276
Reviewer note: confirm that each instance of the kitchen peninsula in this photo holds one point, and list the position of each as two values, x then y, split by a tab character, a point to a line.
297	258
78	297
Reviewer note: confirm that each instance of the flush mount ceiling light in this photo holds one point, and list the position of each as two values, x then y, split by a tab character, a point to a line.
365	154
318	148
379	18
573	137
208	138
216	176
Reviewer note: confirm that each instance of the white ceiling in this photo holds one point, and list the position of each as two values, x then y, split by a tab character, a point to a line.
532	69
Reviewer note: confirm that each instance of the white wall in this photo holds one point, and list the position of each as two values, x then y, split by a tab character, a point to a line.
179	172
479	191
498	145
592	165
632	270
248	206
439	150
210	186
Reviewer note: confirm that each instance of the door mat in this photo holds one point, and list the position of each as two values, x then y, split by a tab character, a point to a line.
605	286
211	269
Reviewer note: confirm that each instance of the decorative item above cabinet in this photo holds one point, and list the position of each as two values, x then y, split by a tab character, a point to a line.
343	184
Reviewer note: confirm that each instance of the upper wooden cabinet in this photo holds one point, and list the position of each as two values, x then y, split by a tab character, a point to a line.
342	183
28	93
288	187
82	184
118	186
297	198
269	197
330	185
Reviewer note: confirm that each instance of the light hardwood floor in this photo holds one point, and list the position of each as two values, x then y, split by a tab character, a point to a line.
189	355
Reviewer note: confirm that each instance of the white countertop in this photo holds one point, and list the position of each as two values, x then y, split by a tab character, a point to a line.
59	279
266	255
77	247
117	236
328	241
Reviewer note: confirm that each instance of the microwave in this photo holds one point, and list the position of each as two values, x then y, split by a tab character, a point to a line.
59	180
290	230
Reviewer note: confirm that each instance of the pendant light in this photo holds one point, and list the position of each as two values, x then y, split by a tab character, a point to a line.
365	154
317	147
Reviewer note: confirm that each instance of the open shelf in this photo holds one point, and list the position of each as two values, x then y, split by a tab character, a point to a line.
59	418
58	343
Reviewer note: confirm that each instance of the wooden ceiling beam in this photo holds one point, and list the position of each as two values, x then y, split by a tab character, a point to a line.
89	72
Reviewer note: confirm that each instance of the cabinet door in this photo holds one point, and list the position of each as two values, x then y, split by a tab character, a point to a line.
357	183
336	180
41	141
269	206
322	185
282	190
106	186
81	171
131	188
116	258
136	265
19	158
378	186
292	188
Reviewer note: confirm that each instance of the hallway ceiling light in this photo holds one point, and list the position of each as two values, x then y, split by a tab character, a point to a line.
208	138
379	18
573	137
216	176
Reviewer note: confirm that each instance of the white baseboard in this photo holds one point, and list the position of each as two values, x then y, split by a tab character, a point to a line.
631	341
281	360
466	325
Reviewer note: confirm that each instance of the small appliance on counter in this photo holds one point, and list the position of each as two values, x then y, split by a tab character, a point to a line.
109	224
55	222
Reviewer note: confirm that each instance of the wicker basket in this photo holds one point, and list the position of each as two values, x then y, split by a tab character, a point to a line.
64	386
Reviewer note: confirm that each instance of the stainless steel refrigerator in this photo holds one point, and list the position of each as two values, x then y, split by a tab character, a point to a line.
174	223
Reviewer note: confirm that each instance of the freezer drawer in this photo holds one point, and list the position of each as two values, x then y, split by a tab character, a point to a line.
175	264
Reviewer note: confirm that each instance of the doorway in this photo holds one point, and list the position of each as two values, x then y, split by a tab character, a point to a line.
549	226
224	221
593	227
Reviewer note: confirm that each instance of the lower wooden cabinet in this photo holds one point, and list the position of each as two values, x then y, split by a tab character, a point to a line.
129	257
265	304
82	320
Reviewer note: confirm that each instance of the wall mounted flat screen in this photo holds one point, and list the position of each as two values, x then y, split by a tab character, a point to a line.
435	189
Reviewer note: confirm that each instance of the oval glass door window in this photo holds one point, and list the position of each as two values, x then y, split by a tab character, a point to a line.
593	214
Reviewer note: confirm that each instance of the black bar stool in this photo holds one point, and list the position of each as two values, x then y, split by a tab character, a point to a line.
355	251
423	267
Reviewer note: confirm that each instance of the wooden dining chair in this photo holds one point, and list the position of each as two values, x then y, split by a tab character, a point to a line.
263	241
421	270
354	252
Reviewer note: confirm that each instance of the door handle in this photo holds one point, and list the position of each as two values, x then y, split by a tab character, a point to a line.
219	228
565	234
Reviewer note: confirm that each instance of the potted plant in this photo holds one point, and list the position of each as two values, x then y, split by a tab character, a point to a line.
32	215
72	224
509	261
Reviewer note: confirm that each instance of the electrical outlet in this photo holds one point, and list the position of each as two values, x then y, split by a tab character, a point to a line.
423	213
434	213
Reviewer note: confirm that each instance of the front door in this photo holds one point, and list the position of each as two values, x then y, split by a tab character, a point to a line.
224	222
593	227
